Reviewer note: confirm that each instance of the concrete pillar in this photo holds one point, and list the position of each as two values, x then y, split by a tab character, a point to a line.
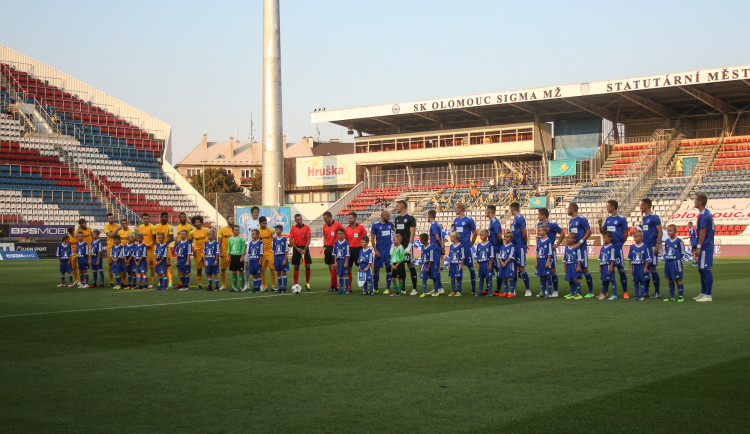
273	151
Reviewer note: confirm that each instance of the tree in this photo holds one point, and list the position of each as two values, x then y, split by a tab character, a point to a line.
217	181
256	182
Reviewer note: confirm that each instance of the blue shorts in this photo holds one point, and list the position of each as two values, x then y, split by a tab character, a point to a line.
553	261
211	270
468	254
584	257
429	273
484	270
340	269
278	260
520	255
142	267
253	267
83	265
118	267
384	260
96	267
508	272
131	267
606	276
673	269
618	256
571	274
183	267
654	258
541	267
638	274
706	259
161	268
455	272
65	266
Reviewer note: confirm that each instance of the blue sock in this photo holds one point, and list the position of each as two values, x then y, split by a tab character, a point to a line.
499	284
623	279
543	284
341	282
525	277
489	285
680	288
703	280
388	276
481	285
655	277
424	286
95	275
346	282
453	285
71	278
284	281
589	281
614	288
62	279
605	286
473	276
554	282
578	287
278	281
671	288
459	283
118	280
376	279
505	286
101	276
512	285
439	282
709	278
572	287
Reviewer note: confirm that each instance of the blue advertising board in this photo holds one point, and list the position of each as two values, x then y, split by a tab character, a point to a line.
276	215
18	255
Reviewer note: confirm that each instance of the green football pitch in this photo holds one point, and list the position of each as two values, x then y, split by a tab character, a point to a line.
83	360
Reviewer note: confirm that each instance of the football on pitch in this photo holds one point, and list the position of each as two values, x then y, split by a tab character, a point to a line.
296	289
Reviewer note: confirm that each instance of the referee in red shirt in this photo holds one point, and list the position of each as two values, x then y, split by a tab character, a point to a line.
354	233
330	235
300	235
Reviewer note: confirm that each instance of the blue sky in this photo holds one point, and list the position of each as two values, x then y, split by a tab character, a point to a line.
197	65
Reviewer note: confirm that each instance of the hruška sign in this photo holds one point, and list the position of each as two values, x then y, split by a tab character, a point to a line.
326	170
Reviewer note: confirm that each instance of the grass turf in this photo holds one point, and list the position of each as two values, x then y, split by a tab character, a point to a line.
103	360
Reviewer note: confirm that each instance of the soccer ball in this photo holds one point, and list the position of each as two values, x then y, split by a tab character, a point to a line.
296	289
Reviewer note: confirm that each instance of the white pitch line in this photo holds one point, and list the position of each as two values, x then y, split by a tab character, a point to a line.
146	305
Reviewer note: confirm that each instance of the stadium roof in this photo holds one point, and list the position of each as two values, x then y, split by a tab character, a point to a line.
668	96
233	153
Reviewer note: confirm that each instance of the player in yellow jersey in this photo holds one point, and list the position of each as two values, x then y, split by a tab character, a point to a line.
124	231
110	229
224	235
165	228
85	231
147	230
266	262
183	226
199	236
73	241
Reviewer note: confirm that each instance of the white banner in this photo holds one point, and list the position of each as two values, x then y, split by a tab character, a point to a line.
326	170
725	212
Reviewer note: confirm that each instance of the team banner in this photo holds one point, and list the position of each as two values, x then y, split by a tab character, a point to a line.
538	202
326	170
38	231
13	256
276	215
725	212
562	167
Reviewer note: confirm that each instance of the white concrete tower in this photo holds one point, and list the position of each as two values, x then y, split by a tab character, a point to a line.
273	151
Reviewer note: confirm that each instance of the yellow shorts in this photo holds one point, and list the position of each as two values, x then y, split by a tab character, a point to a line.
266	262
151	257
224	262
109	258
200	261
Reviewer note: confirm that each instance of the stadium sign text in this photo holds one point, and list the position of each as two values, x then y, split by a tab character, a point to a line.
11	256
38	231
679	79
500	98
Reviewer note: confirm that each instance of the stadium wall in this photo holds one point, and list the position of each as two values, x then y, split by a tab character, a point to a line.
186	187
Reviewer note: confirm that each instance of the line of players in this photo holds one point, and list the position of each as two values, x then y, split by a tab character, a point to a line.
505	254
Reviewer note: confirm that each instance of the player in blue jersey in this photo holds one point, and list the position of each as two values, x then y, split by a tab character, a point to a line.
97	257
544	256
254	254
429	258
365	263
83	253
640	257
617	225
693	241
456	259
161	251
467	236
128	255
520	242
382	240
118	261
341	253
280	245
183	250
211	253
674	250
485	259
495	229
705	250
573	259
556	235
140	253
652	237
579	225
64	253
436	236
607	267
506	264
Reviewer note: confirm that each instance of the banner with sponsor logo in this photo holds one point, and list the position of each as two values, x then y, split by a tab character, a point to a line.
725	212
326	170
14	256
276	215
538	202
38	231
43	250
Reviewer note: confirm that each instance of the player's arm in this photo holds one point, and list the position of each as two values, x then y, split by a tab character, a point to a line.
659	234
525	235
473	236
586	236
346	258
374	242
412	232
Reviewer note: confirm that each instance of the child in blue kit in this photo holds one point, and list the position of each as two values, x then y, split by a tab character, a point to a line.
211	254
141	262
430	258
544	255
456	265
118	261
640	257
97	251
161	250
607	267
506	262
341	253
64	252
573	260
674	250
83	252
280	244
254	252
128	252
184	250
485	258
366	260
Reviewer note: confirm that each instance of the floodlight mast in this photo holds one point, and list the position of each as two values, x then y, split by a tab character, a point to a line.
273	152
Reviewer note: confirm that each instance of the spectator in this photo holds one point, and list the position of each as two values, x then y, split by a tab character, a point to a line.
679	167
492	184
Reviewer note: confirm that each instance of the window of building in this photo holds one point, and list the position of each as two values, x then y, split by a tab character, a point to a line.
247	173
192	172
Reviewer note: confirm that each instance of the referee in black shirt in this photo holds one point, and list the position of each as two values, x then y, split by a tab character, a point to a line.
406	226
